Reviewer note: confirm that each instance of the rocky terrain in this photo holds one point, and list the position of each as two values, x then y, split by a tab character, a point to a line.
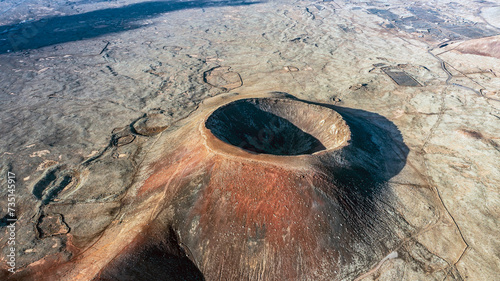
98	96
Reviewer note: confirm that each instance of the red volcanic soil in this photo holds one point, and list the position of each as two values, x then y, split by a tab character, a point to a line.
257	215
269	189
488	46
256	189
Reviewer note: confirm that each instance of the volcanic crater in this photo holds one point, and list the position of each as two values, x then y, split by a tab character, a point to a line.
274	187
247	188
278	126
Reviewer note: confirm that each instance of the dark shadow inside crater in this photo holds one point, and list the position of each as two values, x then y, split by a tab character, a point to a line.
244	125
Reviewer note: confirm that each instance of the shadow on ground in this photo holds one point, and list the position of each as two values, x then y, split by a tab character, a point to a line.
62	29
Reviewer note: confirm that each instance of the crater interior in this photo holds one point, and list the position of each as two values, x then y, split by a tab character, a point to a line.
278	126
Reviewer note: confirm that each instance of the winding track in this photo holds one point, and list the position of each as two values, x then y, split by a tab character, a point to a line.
448	73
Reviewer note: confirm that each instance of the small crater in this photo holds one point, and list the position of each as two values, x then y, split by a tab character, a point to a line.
52	183
122	140
64	181
151	124
51	225
221	77
43	184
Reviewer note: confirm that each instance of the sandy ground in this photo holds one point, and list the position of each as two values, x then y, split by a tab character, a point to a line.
72	71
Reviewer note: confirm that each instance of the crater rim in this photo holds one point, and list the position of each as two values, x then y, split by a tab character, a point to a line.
322	123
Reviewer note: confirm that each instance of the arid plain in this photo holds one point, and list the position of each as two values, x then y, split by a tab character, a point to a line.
101	105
